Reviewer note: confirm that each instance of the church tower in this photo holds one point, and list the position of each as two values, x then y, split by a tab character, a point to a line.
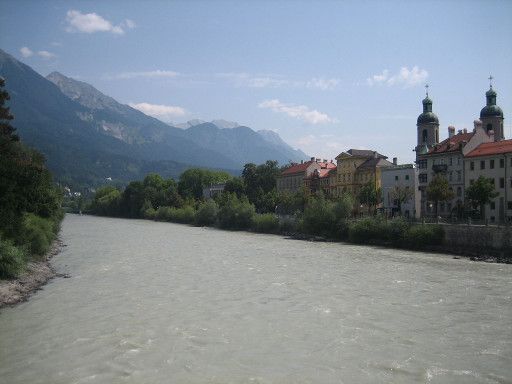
428	127
491	115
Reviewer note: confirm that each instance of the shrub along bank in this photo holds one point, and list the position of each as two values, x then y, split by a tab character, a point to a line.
322	217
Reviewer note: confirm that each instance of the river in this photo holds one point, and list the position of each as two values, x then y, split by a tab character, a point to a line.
150	302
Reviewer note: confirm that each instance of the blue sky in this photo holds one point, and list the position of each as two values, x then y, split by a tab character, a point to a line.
326	75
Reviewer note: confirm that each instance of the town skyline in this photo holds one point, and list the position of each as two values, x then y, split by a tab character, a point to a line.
360	87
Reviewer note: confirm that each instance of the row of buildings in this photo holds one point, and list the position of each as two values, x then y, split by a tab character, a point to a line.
462	157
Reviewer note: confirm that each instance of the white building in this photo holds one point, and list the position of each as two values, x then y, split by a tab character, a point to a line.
493	161
398	179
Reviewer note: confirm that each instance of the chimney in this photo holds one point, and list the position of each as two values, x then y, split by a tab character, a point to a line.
465	130
459	132
317	160
477	124
395	161
451	131
302	161
312	159
325	161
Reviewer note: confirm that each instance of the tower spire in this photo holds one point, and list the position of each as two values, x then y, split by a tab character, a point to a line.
490	81
426	89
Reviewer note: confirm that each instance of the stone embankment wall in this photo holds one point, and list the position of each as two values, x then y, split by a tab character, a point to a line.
479	238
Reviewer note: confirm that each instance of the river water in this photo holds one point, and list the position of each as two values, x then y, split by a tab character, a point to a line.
155	302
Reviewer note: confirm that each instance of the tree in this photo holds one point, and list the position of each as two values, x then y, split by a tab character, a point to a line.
401	195
6	129
439	190
369	195
25	183
481	192
193	180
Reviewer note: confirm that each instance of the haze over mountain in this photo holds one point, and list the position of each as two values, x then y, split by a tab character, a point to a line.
88	136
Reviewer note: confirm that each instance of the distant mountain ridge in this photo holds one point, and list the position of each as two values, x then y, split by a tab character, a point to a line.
87	135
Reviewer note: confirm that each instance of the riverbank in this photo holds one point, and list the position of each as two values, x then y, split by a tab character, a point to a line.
37	274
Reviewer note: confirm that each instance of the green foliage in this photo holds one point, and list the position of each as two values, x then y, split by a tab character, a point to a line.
288	225
266	223
288	202
235	213
369	195
439	190
163	213
193	180
185	215
235	185
481	192
30	204
206	214
38	233
106	201
12	259
421	236
370	230
325	217
319	217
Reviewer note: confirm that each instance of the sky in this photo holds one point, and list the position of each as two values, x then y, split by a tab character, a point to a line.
327	76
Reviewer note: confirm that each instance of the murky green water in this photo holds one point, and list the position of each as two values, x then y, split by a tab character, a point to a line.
162	303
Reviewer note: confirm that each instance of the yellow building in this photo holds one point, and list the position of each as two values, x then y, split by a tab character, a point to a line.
357	167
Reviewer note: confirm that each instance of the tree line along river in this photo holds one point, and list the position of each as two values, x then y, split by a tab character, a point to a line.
150	302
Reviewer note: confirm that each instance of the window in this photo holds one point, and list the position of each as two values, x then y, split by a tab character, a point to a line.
451	161
450	176
422	177
482	164
472	165
502	163
424	137
489	127
459	191
396	178
491	164
509	205
449	207
406	177
442	207
458	160
422	164
493	219
493	205
502	182
459	175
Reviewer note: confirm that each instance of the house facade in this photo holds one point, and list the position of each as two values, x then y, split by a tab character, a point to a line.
493	161
400	180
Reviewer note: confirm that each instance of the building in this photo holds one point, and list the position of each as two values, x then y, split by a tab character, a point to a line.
447	157
400	180
357	167
494	161
296	176
213	190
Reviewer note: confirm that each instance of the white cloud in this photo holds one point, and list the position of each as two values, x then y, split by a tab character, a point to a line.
277	81
92	22
163	112
26	52
300	112
148	74
253	81
46	55
405	77
130	24
323	84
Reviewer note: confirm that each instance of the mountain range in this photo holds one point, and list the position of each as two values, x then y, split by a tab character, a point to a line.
88	136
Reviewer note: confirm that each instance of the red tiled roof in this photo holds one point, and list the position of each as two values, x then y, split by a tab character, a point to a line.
451	144
299	168
492	148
